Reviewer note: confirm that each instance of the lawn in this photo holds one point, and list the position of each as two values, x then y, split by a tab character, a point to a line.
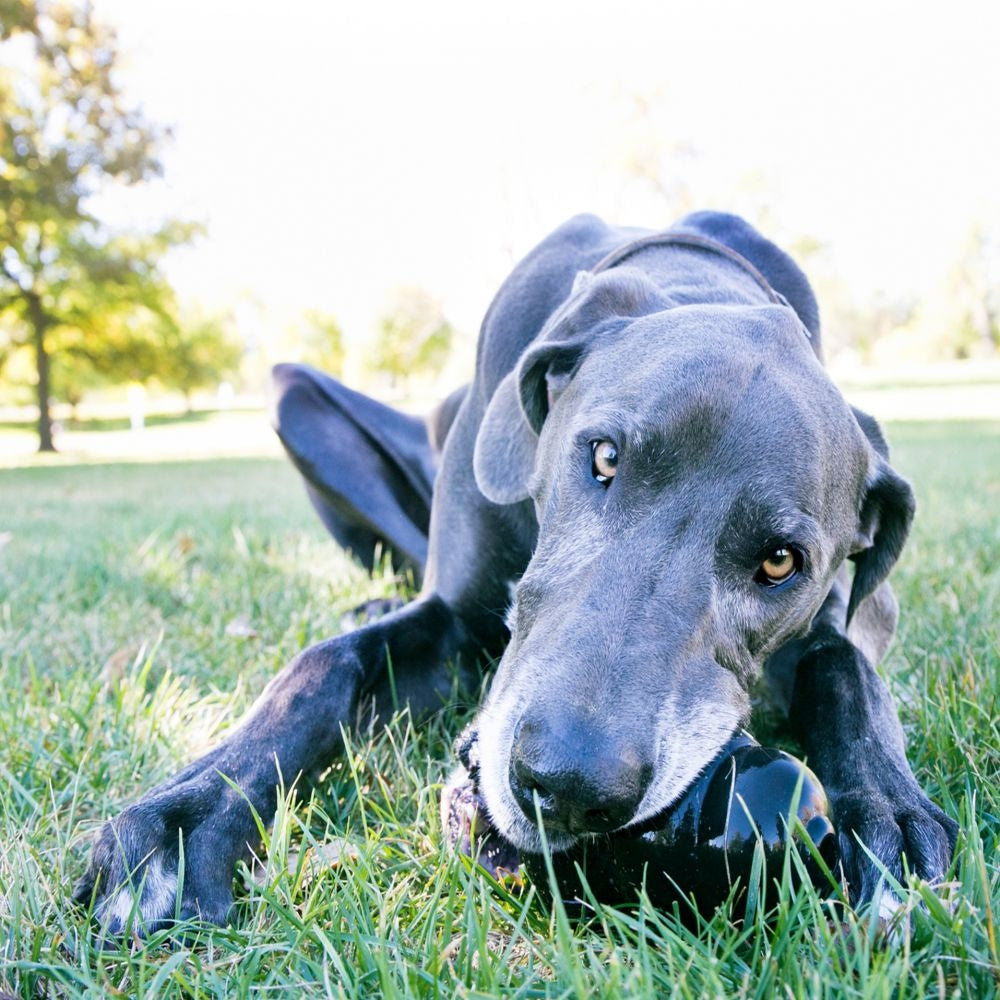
142	605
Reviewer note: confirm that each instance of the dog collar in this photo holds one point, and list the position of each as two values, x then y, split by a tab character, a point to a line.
674	238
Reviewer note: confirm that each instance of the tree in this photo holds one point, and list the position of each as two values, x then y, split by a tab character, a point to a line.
413	337
973	288
198	350
317	340
17	15
71	289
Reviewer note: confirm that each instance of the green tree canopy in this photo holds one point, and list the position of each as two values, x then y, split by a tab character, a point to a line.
316	339
81	296
414	337
198	350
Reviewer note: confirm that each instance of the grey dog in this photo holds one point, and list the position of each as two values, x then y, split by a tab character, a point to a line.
650	492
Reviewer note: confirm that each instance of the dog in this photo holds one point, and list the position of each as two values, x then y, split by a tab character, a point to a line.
650	493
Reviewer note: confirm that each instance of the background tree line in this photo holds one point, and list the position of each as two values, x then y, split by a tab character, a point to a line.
84	304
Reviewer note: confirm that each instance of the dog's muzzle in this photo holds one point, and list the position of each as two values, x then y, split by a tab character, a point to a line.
573	779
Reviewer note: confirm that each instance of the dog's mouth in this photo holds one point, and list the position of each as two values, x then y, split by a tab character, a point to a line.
489	748
468	820
508	823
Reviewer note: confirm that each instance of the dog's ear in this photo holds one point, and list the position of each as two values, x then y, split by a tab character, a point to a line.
504	456
598	306
884	521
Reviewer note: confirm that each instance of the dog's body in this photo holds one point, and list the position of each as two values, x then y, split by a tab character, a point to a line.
653	461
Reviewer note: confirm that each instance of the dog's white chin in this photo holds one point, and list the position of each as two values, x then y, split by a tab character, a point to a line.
526	837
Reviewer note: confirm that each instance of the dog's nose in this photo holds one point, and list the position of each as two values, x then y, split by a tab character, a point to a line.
581	786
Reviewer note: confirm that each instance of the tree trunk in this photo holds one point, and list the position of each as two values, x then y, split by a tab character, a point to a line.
39	323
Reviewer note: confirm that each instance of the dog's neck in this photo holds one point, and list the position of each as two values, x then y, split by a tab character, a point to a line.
695	241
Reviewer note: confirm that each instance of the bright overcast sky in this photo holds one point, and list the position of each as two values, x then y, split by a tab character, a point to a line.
339	150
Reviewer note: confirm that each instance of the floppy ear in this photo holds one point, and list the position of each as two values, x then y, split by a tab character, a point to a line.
884	521
369	469
598	305
504	456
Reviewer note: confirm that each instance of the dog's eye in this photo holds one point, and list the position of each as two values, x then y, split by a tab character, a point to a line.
604	461
779	566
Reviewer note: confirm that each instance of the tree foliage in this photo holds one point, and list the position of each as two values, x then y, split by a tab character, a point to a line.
197	349
317	339
17	15
974	289
414	337
83	298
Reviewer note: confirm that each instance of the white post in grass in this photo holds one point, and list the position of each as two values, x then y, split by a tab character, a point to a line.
137	407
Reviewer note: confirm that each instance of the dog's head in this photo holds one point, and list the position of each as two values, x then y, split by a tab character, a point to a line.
697	481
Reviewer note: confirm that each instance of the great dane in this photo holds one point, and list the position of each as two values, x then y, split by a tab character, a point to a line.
650	492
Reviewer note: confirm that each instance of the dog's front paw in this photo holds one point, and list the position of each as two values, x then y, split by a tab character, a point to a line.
905	825
169	856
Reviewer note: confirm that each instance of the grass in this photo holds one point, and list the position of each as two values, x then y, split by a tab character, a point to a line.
141	606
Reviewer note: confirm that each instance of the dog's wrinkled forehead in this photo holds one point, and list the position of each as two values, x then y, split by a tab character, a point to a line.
712	386
620	343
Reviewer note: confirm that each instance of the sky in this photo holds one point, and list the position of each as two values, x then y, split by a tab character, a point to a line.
338	151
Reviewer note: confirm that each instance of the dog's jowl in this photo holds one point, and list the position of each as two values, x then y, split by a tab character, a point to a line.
650	493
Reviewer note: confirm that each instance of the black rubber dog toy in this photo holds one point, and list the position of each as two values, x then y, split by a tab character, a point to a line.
698	848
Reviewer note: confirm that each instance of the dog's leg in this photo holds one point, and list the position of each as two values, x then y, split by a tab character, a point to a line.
844	715
293	729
